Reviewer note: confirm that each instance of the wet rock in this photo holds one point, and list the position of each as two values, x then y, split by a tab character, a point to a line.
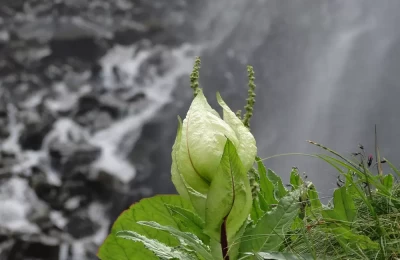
84	49
113	105
68	156
134	97
4	131
36	128
87	103
131	32
81	225
6	245
102	121
75	192
50	194
63	28
32	250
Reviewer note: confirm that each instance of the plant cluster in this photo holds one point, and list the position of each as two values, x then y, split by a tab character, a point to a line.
231	207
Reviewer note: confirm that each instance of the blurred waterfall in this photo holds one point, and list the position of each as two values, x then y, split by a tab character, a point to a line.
325	71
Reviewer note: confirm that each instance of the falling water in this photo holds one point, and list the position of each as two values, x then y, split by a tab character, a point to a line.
325	71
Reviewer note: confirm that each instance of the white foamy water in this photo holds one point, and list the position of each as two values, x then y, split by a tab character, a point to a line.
115	141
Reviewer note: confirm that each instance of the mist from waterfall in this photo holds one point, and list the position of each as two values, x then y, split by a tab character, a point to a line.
325	70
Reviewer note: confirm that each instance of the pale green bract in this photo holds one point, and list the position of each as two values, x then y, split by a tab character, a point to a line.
199	145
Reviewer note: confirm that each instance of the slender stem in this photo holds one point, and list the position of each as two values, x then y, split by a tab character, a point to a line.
378	157
366	179
224	240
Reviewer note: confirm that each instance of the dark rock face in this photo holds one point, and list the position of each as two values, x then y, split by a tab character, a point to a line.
73	102
81	226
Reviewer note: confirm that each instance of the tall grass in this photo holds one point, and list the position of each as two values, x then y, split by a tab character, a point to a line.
361	222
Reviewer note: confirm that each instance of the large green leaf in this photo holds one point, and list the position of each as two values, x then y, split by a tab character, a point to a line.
185	239
268	234
150	209
229	199
344	209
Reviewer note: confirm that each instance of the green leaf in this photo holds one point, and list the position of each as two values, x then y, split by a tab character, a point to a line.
266	187
229	198
350	185
344	209
118	248
150	209
313	198
341	217
185	239
161	250
295	178
188	222
268	234
256	212
297	232
388	182
279	190
345	233
264	205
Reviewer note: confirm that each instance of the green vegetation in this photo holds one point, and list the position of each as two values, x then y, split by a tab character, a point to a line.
231	207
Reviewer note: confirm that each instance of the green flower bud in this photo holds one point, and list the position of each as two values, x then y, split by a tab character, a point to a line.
199	146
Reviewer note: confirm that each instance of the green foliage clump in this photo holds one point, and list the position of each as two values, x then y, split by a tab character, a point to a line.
231	207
